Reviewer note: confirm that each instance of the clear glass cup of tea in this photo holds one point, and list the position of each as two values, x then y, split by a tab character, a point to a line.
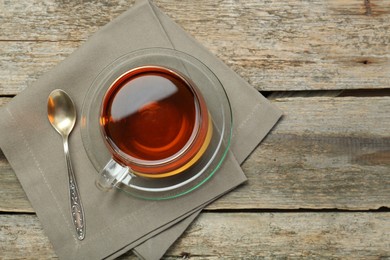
155	123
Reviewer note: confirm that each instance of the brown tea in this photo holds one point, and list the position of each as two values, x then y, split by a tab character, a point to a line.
151	114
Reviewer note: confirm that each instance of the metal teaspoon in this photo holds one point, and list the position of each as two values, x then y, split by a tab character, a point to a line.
62	116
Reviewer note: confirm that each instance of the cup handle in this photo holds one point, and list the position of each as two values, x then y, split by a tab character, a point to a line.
112	175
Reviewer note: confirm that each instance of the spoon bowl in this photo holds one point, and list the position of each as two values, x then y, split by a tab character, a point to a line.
61	112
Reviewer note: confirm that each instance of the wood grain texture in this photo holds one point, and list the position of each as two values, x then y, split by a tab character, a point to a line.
213	236
21	236
324	235
294	45
325	153
22	63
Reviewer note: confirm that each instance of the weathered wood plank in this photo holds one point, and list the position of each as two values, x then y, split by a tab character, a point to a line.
4	100
22	236
57	20
212	236
21	63
312	235
324	153
294	45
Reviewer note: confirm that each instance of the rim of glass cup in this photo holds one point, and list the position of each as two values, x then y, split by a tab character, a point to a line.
128	159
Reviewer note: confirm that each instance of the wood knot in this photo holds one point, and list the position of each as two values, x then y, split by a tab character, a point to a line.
185	255
365	61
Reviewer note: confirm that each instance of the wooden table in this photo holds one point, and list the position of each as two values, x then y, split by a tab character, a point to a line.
319	184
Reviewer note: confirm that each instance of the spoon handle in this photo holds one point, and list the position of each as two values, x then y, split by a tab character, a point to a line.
77	209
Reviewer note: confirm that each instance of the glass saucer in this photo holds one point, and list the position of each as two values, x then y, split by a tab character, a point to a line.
217	103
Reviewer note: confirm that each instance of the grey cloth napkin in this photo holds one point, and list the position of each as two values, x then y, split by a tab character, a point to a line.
116	222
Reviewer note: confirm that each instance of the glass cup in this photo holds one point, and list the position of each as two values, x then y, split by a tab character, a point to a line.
155	123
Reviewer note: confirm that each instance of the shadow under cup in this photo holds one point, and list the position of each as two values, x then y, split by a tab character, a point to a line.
155	124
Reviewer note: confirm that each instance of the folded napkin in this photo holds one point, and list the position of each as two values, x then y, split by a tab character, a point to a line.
116	222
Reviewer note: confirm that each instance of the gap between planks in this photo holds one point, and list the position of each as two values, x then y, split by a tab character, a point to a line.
300	210
305	93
